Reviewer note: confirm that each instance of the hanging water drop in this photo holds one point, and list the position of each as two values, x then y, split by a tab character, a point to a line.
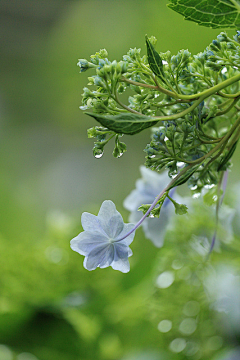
120	154
98	156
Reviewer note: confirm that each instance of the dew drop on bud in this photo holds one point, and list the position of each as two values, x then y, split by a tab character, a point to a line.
98	156
120	154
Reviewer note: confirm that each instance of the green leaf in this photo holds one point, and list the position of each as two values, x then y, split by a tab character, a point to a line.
227	157
180	209
211	13
184	178
126	123
154	60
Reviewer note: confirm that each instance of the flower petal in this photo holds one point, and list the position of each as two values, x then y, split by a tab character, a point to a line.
86	241
114	226
156	180
135	199
101	255
91	222
121	265
155	229
128	240
107	210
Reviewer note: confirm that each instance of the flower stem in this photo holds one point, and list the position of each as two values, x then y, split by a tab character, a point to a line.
170	185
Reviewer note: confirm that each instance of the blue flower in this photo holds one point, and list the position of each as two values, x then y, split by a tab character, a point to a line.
101	243
146	191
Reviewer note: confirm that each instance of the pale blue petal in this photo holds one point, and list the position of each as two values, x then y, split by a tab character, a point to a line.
153	178
101	255
155	229
107	210
121	265
91	223
86	241
114	226
120	251
135	216
135	199
146	189
129	238
129	252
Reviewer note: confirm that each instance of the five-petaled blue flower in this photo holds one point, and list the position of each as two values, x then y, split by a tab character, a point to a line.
101	243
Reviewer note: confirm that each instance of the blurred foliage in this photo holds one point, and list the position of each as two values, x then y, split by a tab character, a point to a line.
50	307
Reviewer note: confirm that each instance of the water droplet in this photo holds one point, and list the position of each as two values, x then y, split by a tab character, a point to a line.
224	70
120	154
188	326
177	345
152	156
164	326
180	164
210	186
98	156
165	279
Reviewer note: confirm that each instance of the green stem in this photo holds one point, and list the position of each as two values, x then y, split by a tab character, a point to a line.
219	145
233	103
116	98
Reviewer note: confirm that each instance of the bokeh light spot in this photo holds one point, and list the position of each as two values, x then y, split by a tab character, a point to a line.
165	326
177	345
165	279
188	326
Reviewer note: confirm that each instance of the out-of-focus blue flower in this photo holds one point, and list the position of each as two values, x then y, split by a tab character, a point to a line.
101	243
146	191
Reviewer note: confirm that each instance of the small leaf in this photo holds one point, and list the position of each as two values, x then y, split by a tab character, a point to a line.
154	60
126	123
144	208
180	209
227	157
211	13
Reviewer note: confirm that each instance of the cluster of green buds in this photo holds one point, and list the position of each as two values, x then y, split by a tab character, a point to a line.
190	101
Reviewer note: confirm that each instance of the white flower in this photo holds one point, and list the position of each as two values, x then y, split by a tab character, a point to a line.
101	243
146	191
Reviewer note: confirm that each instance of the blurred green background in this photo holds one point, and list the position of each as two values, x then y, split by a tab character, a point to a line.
50	307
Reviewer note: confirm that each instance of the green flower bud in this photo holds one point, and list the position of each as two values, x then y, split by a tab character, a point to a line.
118	69
84	65
98	81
